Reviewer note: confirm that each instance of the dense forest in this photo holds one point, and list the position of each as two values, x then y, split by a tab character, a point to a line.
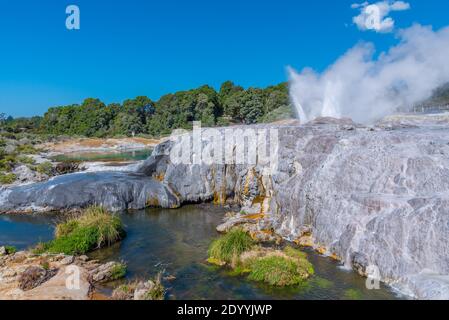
93	118
232	104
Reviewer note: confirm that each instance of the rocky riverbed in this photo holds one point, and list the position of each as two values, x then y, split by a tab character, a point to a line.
27	276
372	197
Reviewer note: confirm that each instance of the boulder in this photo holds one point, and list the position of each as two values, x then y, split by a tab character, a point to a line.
26	175
67	260
34	276
104	272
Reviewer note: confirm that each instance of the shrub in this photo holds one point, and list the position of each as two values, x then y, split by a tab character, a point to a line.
45	168
229	247
7	178
25	160
157	292
118	271
8	162
96	228
139	290
281	113
26	149
10	249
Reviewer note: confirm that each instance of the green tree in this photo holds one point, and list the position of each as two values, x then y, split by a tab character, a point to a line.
253	106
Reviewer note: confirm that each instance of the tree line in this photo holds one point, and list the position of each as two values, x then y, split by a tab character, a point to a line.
93	118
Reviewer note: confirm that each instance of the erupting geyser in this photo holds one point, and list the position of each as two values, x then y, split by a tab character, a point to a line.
365	87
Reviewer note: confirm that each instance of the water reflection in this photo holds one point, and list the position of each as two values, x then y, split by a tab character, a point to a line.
177	241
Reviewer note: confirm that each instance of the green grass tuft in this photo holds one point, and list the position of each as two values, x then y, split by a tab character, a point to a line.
304	266
276	271
158	291
229	247
26	149
25	160
45	168
10	249
95	229
8	178
118	271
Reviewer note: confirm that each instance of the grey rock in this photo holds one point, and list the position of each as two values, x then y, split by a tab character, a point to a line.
3	251
83	258
113	190
26	175
34	276
373	196
234	222
67	260
10	149
104	272
143	289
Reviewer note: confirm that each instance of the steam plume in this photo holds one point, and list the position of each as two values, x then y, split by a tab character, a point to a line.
365	88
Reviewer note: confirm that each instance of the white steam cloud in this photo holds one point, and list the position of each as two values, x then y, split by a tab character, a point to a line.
365	88
375	16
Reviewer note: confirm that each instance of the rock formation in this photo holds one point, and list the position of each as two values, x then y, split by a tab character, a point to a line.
371	196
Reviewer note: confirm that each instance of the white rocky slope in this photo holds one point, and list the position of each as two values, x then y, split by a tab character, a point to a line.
372	196
375	197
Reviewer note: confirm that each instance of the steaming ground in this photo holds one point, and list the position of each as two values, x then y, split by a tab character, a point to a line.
366	88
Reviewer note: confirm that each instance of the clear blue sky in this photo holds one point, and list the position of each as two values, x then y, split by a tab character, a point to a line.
137	47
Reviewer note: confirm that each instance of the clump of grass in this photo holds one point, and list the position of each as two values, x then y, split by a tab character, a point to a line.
26	149
287	267
305	268
229	247
279	268
8	178
7	163
141	290
10	249
157	291
95	229
124	291
276	271
118	271
45	168
25	160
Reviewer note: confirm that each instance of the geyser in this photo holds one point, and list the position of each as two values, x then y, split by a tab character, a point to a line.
366	88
